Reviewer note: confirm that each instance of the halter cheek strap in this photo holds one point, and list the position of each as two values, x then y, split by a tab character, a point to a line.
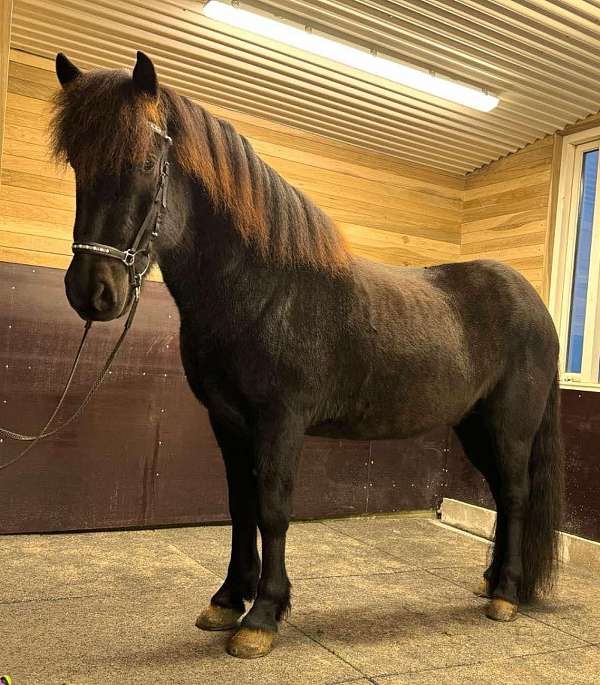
137	257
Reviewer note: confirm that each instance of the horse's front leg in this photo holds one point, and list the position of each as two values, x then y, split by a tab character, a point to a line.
278	445
227	605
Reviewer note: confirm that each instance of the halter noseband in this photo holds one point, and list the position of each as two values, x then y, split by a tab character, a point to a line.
148	231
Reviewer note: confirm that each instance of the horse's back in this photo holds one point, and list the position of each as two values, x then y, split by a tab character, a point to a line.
485	296
434	341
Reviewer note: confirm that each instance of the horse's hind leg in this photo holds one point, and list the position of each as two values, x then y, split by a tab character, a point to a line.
513	415
505	576
227	605
478	446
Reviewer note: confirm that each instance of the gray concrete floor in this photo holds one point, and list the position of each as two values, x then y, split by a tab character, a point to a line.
382	600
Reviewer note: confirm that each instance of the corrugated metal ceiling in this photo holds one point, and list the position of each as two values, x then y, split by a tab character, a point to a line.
542	57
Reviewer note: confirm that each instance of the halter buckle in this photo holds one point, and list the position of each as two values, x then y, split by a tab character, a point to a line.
129	257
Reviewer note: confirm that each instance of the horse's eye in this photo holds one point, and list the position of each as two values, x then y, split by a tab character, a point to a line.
149	164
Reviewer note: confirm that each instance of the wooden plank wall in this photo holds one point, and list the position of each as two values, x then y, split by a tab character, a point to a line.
5	30
390	211
506	211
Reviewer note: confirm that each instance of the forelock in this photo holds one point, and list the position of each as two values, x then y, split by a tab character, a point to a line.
100	124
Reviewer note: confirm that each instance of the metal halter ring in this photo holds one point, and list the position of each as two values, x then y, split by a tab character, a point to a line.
129	257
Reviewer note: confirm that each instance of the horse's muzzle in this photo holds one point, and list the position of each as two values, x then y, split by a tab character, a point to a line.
97	288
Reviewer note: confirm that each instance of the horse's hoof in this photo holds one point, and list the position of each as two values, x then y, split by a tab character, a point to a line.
218	618
501	610
483	589
250	643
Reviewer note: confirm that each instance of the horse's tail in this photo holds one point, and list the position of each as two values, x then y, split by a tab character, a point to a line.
540	534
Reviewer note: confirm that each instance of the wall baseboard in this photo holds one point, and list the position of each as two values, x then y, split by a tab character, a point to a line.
481	521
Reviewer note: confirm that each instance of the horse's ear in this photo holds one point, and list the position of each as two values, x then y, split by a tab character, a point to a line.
144	75
66	70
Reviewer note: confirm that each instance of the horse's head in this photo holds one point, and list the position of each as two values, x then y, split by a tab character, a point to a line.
109	127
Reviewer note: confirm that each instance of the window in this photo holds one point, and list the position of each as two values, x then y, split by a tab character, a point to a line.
575	288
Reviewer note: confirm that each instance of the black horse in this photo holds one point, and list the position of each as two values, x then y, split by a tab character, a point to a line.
284	333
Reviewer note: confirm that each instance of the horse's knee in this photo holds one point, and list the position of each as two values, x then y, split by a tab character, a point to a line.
274	510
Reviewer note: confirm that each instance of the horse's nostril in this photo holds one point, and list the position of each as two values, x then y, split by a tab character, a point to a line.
103	298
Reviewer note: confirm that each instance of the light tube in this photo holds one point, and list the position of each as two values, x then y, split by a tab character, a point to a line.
350	56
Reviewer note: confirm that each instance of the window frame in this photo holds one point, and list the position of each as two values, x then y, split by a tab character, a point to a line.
564	244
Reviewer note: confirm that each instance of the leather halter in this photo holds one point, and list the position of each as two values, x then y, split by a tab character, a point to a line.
137	257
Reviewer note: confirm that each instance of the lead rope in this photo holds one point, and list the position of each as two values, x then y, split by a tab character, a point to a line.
45	433
12	435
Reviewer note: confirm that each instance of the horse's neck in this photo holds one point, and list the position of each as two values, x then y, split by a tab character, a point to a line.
215	279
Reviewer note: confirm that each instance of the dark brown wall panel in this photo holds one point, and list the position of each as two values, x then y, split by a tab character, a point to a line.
332	478
143	454
461	479
187	476
581	432
94	473
407	474
581	429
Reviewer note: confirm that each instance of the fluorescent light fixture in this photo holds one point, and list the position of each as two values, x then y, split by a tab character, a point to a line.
351	57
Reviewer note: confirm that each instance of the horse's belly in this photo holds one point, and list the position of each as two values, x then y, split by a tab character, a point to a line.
362	431
399	414
375	425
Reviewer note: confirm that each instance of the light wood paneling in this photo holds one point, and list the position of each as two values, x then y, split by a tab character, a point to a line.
507	211
6	7
391	211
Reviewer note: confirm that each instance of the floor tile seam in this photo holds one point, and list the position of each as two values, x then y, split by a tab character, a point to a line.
329	650
373	545
369	545
481	661
353	680
451	582
196	562
553	627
